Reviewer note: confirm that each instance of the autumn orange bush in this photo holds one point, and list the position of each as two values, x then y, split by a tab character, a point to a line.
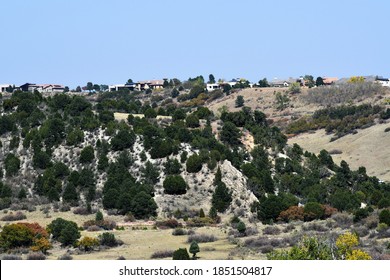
36	228
291	214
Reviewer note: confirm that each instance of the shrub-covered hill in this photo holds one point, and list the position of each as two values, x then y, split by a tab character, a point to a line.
65	149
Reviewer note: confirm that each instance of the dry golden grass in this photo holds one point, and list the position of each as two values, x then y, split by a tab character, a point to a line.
139	243
369	148
263	99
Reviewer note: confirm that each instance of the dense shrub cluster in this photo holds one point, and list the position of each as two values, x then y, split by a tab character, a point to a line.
64	231
174	184
134	197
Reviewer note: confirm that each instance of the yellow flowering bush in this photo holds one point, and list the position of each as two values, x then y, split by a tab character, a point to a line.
358	255
346	242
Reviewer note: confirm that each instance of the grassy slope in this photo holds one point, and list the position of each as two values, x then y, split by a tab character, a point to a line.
369	148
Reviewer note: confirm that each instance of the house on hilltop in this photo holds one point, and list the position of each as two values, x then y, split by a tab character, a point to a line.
385	82
150	84
51	88
212	87
4	87
47	88
283	83
329	80
28	87
129	86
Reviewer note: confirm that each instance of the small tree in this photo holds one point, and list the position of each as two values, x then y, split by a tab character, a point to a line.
124	139
12	164
96	87
69	234
175	184
194	163
309	81
89	86
99	216
108	239
294	88
22	193
230	134
221	198
87	155
211	79
143	205
172	167
194	249
227	88
150	173
64	231
213	213
263	83
192	120
181	254
240	101
175	93
319	81
150	113
281	101
384	217
241	227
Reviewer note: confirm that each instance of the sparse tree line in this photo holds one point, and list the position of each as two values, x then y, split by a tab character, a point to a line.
341	120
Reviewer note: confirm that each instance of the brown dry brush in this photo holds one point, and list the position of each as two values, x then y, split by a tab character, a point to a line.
342	93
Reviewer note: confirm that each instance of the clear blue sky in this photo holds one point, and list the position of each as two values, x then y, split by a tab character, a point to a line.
72	42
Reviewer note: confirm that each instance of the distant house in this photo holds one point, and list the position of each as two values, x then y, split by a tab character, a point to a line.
47	88
233	82
281	83
3	88
51	88
28	87
329	80
212	87
129	86
383	81
150	84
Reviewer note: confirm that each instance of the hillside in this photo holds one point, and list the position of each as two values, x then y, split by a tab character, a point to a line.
369	148
112	166
366	148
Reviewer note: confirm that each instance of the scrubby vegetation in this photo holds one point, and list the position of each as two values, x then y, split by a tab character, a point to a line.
340	120
343	93
67	153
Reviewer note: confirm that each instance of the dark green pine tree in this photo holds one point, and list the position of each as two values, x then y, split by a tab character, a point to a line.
181	254
222	197
70	194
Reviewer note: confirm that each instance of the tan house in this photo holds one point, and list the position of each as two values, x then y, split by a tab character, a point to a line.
329	80
51	88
